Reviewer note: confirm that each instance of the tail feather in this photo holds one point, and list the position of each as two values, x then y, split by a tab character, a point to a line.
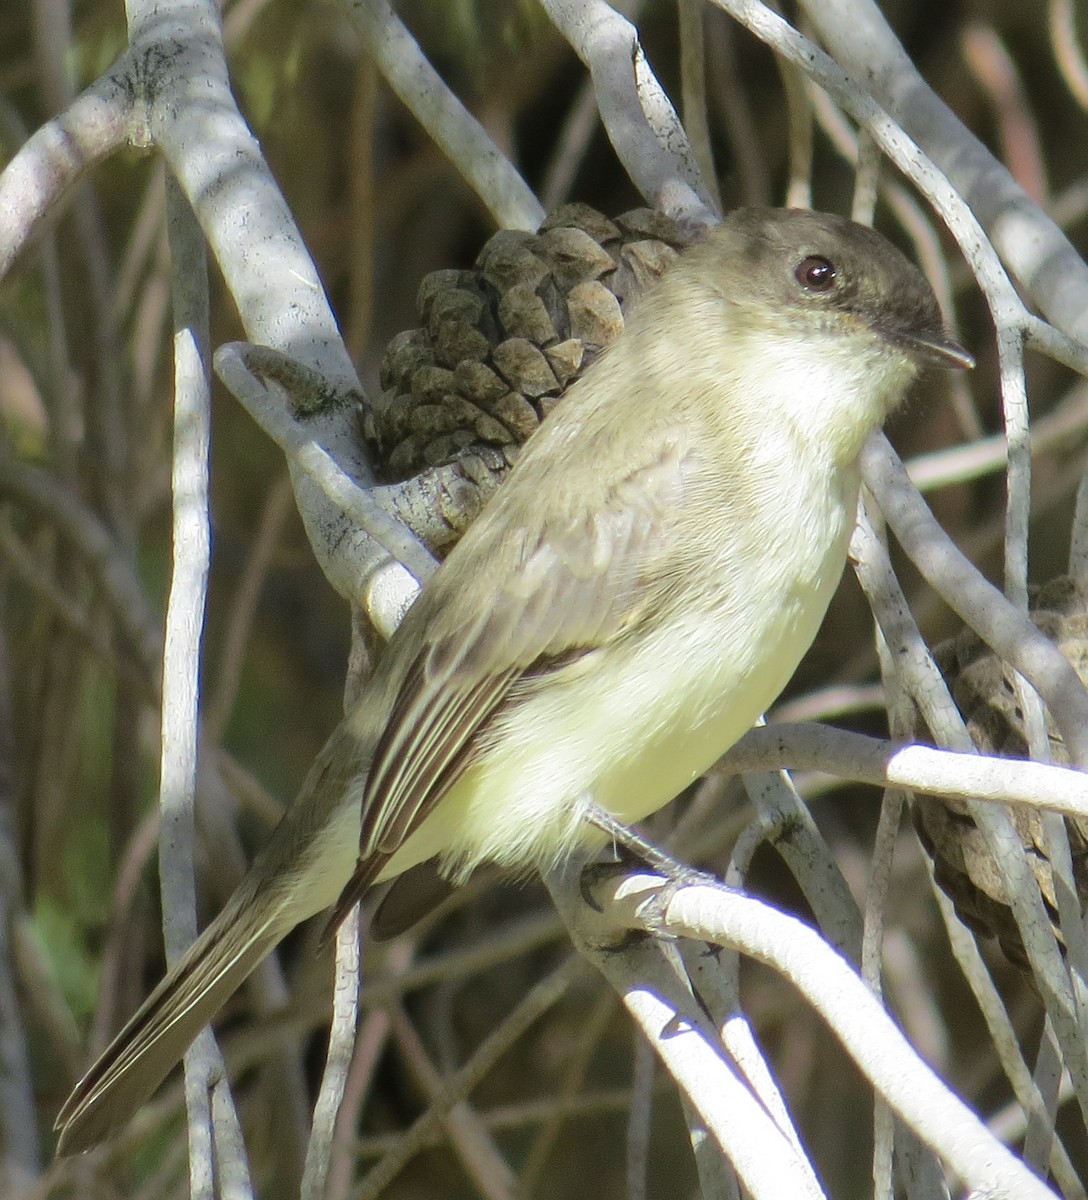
301	870
160	1031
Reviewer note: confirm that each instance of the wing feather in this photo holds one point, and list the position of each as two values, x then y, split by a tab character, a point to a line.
566	586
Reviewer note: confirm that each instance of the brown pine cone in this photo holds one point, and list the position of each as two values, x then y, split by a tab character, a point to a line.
500	343
982	686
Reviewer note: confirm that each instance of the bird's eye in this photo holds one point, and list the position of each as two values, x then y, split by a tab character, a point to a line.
815	274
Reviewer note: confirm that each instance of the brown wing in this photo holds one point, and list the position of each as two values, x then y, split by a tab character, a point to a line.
569	586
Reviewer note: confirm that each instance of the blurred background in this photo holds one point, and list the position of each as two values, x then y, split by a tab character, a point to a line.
85	395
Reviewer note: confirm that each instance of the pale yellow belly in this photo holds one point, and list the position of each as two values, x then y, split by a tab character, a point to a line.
628	734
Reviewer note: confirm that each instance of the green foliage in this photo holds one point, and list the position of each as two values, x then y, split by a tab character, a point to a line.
74	965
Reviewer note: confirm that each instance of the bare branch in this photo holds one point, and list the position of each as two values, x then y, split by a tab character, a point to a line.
641	122
180	680
977	602
917	768
691	14
43	493
48	167
459	135
1037	251
722	917
661	1004
460	1083
367	554
341	1041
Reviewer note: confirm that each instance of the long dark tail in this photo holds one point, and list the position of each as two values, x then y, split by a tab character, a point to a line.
307	861
160	1031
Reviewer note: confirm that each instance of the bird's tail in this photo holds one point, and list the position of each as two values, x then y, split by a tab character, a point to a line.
160	1031
307	861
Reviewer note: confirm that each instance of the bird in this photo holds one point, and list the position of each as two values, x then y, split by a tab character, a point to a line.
635	594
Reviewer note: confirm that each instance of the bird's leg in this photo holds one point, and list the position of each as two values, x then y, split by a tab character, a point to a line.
632	849
632	852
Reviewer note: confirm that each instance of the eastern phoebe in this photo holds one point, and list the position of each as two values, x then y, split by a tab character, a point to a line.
637	592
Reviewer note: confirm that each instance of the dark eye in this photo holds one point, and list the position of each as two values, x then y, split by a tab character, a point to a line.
815	274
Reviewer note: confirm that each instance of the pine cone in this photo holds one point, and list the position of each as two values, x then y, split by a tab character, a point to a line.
499	344
983	687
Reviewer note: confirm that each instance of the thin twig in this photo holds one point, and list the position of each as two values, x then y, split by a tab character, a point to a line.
362	128
571	147
641	122
734	109
639	1116
538	1001
994	68
48	167
114	570
1066	48
593	1028
913	767
468	1138
859	36
20	1149
1065	424
691	14
460	136
370	1043
799	115
976	601
345	1010
224	689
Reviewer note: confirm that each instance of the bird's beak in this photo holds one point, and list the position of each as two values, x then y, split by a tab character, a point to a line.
936	350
